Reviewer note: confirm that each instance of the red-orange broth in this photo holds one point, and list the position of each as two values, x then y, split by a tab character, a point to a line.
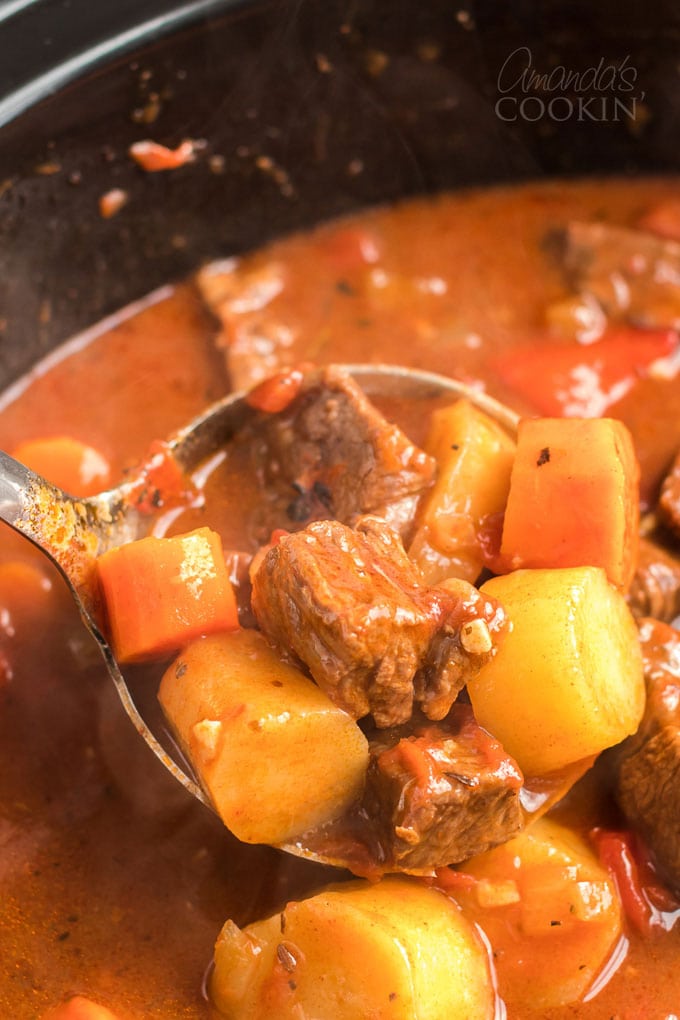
113	882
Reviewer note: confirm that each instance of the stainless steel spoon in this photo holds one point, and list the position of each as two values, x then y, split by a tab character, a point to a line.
73	532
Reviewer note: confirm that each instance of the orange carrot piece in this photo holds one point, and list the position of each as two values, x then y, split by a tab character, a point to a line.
80	1008
161	593
66	462
574	497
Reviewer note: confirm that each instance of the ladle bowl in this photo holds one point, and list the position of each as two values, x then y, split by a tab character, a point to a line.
72	532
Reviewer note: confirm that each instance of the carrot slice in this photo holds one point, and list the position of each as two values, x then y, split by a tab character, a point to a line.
574	497
66	462
161	593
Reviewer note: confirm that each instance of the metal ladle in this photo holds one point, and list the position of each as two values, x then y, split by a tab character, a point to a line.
73	532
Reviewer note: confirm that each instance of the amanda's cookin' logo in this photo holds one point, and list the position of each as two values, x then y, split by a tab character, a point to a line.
602	92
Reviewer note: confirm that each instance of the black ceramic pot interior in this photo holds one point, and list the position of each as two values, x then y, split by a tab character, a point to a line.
307	109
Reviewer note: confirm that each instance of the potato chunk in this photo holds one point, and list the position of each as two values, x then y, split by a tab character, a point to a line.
567	681
550	911
274	753
392	951
474	458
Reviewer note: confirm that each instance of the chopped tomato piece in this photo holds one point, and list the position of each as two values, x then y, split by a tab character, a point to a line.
112	202
153	157
451	881
162	482
274	394
578	380
411	755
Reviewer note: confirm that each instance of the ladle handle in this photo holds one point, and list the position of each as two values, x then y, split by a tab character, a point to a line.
63	527
16	481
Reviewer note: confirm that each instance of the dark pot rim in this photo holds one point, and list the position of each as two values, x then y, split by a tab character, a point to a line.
46	44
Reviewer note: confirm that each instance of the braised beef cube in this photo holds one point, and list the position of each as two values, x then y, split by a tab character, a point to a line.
660	645
648	763
633	275
443	793
332	454
470	625
655	588
255	341
348	603
649	794
669	499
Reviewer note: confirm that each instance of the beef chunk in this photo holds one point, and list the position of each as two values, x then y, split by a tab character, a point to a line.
331	454
669	500
254	339
349	604
648	764
649	794
442	793
633	275
655	588
469	624
660	644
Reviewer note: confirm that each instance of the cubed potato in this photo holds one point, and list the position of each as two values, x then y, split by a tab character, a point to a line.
474	459
391	951
567	680
551	913
274	753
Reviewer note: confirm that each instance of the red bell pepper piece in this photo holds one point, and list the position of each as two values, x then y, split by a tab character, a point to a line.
577	380
642	895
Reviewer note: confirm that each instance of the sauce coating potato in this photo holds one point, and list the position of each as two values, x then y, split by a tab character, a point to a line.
475	457
397	950
551	912
567	681
261	737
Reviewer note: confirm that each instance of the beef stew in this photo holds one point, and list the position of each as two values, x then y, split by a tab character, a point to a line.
440	283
